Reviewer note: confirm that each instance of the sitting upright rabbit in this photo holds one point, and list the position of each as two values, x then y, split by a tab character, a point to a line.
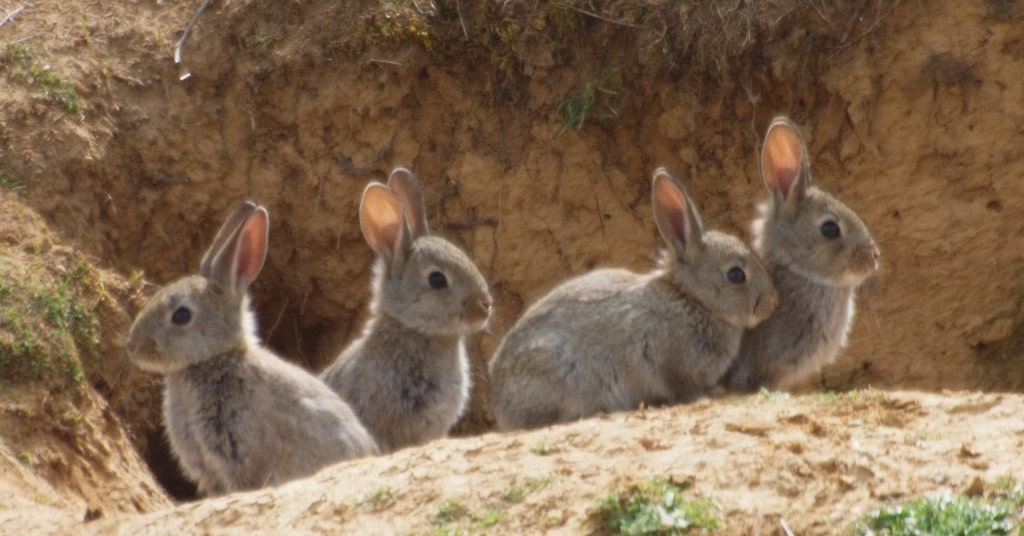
818	251
238	417
407	375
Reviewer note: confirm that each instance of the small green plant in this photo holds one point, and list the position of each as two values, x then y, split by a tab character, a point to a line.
657	506
454	517
773	396
49	328
944	515
10	183
21	51
580	103
540	449
449	512
833	396
490	518
378	500
47	83
516	493
86	34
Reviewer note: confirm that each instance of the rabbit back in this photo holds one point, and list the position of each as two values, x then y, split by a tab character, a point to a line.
605	341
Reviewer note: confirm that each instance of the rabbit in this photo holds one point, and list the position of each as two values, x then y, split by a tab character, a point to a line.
611	340
818	252
407	375
238	417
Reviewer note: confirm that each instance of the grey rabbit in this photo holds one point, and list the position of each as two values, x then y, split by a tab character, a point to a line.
610	340
407	375
818	252
238	417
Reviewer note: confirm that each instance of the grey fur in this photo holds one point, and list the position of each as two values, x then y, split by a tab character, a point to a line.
237	416
816	277
407	375
611	339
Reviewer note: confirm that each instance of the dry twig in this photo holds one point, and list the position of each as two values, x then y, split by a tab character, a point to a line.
599	16
11	14
188	31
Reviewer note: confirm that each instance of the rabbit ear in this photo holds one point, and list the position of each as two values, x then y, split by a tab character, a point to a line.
241	258
381	219
410	194
675	215
784	167
226	232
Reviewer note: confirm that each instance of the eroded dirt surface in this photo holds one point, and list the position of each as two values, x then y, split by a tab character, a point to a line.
816	462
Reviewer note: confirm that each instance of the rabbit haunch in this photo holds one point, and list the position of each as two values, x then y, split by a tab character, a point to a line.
611	339
407	375
238	417
818	252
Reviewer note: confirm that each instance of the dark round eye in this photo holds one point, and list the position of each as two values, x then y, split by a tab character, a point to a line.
437	280
181	316
830	230
736	275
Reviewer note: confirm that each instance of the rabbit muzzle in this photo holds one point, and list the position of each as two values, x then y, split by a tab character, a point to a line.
764	306
143	353
475	314
863	263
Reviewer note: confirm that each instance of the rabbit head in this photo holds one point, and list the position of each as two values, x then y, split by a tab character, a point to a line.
205	315
716	268
423	281
803	227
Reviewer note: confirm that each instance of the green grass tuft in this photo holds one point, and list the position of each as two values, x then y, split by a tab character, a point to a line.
46	83
379	500
449	512
656	507
48	329
961	516
8	182
579	104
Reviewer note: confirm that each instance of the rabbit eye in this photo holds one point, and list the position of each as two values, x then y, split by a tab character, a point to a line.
736	275
830	230
181	316
437	280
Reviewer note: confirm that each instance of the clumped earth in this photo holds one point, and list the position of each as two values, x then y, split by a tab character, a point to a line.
534	126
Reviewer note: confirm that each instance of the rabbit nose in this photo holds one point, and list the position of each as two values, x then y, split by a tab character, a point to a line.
767	304
479	309
137	346
485	307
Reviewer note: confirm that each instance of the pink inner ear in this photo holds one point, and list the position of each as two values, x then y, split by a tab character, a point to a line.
673	205
380	217
678	218
785	177
783	159
250	250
